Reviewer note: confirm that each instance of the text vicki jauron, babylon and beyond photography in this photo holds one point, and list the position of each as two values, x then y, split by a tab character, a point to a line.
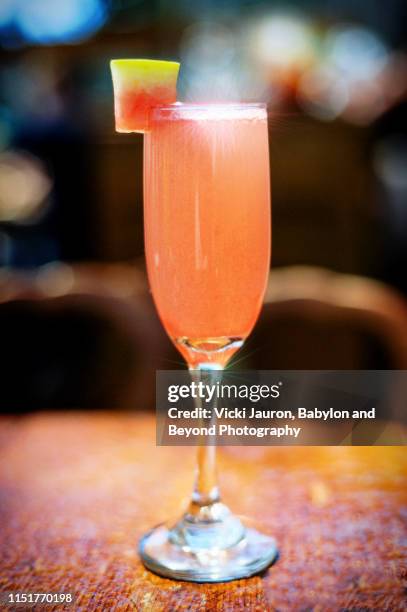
255	413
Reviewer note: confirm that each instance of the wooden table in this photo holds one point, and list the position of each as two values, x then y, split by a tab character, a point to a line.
78	489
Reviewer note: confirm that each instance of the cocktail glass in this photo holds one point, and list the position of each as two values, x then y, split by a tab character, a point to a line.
207	240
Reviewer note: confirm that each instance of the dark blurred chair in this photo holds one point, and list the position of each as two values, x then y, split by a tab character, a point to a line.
317	319
80	337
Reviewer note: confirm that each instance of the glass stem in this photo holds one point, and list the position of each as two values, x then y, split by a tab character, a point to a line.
207	524
206	490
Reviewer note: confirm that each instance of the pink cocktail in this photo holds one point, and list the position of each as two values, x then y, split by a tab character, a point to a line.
207	224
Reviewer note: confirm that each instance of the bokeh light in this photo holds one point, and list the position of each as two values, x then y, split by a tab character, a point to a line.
24	187
50	21
55	278
283	41
208	54
348	78
208	44
359	53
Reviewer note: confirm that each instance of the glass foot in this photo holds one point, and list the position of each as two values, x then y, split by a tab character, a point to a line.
253	553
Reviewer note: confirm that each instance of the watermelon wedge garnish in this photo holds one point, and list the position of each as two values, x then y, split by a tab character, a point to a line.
139	85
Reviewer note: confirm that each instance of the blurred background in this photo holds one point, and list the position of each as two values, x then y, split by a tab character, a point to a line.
77	324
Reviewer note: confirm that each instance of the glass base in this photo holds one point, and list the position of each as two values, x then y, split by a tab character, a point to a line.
253	553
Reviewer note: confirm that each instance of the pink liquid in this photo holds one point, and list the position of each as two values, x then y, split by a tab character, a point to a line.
207	223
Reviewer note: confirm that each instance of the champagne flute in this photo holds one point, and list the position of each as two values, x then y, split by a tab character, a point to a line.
207	241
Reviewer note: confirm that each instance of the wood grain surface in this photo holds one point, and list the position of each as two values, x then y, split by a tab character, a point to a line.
78	489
